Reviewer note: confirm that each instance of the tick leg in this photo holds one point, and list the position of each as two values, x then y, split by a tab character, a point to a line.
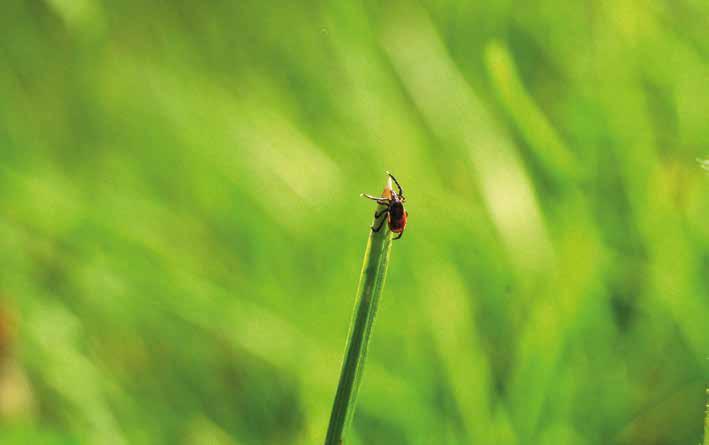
400	235
379	199
380	225
401	191
378	214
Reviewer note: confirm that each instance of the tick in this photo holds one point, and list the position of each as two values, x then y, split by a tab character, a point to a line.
394	203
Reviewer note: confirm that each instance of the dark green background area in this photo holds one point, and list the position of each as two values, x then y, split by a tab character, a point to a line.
181	232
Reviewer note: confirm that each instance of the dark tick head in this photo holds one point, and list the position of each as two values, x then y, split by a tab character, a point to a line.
394	195
389	196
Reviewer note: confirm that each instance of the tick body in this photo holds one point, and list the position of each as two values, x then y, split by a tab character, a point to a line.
395	213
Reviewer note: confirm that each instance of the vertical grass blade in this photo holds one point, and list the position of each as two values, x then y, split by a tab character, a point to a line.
706	421
369	290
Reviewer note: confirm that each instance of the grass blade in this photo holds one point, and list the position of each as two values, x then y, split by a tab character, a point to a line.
369	290
706	422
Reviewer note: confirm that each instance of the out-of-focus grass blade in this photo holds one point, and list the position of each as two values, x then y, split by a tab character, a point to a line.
706	423
369	290
533	124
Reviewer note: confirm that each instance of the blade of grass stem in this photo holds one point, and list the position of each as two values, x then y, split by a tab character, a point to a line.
369	290
706	421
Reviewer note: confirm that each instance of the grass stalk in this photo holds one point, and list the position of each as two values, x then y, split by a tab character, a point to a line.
706	420
369	290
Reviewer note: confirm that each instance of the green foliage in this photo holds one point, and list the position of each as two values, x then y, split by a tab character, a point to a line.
180	230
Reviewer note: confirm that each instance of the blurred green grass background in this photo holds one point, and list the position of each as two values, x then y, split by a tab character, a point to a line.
181	232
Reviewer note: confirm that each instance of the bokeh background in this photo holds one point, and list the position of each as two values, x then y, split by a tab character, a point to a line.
181	232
